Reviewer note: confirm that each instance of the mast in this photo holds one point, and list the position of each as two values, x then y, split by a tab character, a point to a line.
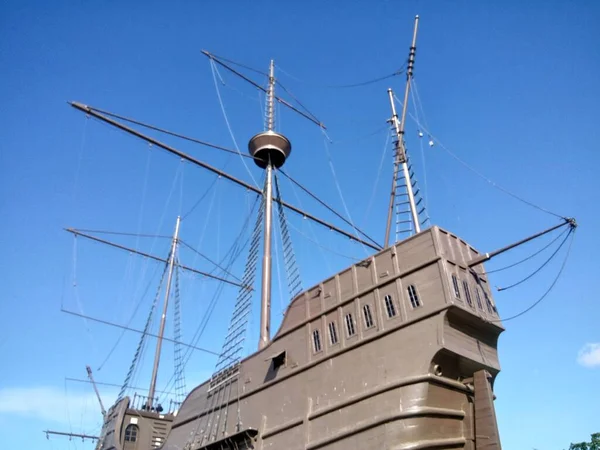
91	377
164	316
269	150
265	295
400	156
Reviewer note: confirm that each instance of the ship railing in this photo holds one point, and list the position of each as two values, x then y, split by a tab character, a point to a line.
140	402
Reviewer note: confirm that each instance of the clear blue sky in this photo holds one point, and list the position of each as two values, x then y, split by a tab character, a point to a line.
511	87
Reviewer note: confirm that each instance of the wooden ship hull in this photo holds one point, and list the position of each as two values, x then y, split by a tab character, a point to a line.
396	352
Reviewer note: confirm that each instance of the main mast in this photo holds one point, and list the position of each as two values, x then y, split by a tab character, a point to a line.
163	318
400	151
269	150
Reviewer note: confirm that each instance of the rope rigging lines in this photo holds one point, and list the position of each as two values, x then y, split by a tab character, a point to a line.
570	230
233	345
571	233
167	132
142	341
321	202
291	267
400	71
214	69
567	233
528	257
228	259
183	156
477	172
258	86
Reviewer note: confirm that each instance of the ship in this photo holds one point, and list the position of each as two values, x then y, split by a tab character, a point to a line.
397	351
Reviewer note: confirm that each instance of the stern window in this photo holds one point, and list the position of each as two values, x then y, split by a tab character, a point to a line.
316	341
467	293
478	299
368	316
413	296
333	338
490	306
389	306
350	325
131	433
455	285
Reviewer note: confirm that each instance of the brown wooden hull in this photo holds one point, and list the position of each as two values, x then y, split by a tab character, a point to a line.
401	381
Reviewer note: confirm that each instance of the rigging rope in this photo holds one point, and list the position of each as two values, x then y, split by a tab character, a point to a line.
260	72
75	285
256	85
572	233
122	233
412	94
310	227
277	233
329	208
214	72
361	137
479	174
291	267
208	259
143	202
542	266
345	86
202	197
139	303
142	340
233	345
339	189
233	253
527	258
379	170
321	246
167	132
75	192
297	101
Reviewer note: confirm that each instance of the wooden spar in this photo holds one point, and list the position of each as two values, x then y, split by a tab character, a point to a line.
86	109
156	258
487	256
123	327
258	86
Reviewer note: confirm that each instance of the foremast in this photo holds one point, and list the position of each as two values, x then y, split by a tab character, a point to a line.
400	157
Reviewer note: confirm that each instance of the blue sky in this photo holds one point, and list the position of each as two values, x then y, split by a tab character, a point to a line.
511	88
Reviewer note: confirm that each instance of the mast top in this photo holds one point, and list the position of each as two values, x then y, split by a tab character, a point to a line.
270	147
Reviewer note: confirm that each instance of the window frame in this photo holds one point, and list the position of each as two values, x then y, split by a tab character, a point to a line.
368	316
131	433
456	286
490	305
316	341
413	296
390	308
468	297
350	325
333	335
478	298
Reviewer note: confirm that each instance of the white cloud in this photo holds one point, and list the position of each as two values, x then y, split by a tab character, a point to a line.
76	407
51	404
589	355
